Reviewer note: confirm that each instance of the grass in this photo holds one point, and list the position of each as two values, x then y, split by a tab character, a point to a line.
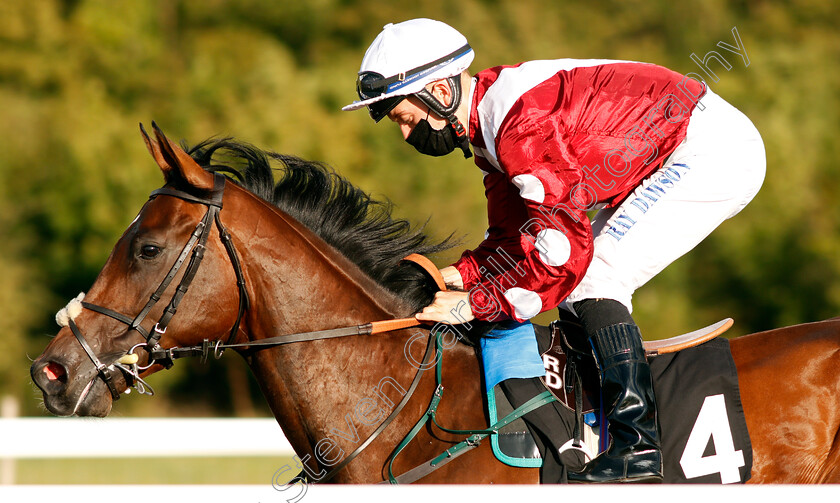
255	470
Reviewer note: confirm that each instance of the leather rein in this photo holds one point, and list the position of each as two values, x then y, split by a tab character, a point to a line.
195	248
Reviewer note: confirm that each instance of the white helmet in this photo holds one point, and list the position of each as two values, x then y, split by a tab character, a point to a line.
404	58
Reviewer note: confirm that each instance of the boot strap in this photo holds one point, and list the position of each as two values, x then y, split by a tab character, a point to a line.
618	344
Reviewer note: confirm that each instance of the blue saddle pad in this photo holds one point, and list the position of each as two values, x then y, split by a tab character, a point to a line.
510	351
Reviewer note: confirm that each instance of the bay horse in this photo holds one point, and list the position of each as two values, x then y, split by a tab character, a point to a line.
313	253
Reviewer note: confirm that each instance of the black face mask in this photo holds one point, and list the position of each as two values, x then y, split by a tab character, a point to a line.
429	141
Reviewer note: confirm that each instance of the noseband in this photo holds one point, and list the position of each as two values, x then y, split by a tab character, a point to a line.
196	246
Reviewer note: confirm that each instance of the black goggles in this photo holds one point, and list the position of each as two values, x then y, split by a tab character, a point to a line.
371	85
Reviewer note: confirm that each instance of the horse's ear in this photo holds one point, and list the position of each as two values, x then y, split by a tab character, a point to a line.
154	149
175	163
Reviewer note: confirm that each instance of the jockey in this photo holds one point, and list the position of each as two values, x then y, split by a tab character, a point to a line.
662	158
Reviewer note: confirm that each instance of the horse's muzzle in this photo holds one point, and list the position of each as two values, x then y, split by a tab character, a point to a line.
65	396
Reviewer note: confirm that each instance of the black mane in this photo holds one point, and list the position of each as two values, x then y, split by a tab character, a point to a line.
361	228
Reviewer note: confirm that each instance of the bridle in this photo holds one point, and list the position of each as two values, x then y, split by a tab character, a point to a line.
194	248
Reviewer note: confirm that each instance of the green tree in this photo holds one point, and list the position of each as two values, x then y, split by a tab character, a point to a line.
76	77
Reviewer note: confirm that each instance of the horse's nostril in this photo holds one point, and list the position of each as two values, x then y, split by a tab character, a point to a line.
55	372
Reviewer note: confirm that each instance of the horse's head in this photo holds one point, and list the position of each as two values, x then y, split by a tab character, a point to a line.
130	309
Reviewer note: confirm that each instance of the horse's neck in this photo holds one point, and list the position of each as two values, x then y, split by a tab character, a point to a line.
298	283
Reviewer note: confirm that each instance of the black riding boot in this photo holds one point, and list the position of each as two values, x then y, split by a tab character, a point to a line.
634	453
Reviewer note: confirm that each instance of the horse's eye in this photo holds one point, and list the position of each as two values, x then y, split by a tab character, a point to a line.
149	251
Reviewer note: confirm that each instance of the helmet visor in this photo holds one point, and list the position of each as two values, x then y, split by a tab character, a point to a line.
379	109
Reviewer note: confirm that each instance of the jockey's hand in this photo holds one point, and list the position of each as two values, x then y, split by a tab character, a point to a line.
448	307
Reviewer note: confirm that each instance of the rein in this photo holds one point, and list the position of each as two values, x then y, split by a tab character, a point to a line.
375	327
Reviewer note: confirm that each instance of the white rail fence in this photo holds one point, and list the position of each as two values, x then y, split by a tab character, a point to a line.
38	438
45	438
42	438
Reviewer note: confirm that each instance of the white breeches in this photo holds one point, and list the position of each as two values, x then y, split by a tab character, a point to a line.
710	177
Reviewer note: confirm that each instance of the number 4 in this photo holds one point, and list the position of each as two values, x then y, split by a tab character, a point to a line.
712	422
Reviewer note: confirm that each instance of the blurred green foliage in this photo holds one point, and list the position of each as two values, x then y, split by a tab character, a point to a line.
77	76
